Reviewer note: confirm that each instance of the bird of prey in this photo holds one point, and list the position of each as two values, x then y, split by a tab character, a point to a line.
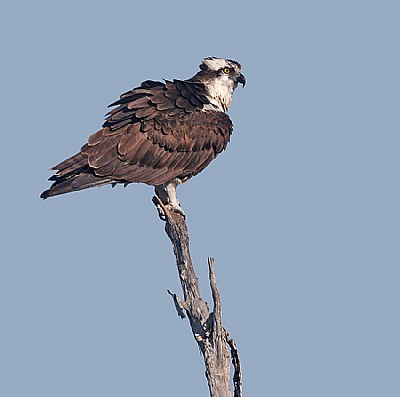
161	134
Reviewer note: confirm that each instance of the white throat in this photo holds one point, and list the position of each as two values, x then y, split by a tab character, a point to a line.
220	93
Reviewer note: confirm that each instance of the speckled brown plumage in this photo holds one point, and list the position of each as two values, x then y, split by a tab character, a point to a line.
157	132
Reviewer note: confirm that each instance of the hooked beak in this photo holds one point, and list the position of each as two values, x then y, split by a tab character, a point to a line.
241	79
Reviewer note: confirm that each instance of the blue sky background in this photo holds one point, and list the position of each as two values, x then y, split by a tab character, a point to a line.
301	212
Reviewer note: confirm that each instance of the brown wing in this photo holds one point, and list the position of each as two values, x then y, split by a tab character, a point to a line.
156	133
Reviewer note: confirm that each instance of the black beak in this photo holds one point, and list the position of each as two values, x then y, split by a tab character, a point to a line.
241	79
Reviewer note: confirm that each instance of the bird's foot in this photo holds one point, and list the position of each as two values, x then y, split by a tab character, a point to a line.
163	208
176	208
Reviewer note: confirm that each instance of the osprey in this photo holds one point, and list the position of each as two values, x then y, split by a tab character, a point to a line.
161	134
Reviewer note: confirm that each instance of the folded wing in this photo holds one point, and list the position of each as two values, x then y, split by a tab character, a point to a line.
156	133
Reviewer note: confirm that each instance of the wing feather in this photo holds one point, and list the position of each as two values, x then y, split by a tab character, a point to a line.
145	112
156	133
139	103
96	138
129	143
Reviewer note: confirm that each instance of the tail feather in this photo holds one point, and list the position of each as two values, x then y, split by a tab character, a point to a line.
69	162
74	174
73	165
74	183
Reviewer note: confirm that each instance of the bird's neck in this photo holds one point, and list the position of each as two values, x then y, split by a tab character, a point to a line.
218	92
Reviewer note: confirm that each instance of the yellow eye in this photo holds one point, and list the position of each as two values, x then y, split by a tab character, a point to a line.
226	70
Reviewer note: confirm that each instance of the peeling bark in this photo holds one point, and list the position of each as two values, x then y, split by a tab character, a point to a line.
207	328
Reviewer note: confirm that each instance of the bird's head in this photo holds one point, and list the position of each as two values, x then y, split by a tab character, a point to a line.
220	77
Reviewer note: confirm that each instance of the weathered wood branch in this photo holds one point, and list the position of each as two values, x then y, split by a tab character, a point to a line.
208	331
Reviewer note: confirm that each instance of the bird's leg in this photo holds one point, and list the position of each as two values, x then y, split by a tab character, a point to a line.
167	194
